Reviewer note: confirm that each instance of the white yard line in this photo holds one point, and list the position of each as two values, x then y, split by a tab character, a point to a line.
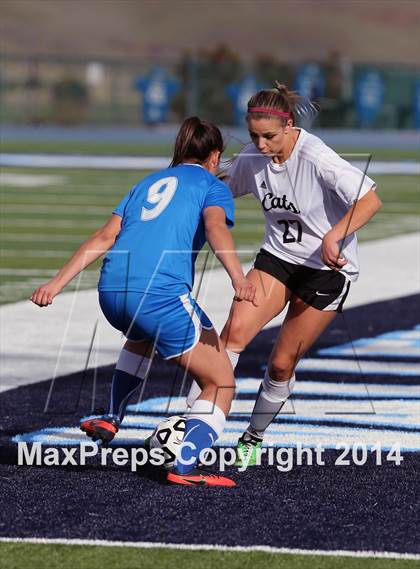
389	269
210	547
30	180
77	161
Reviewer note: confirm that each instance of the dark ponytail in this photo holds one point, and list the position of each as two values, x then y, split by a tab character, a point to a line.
282	100
195	140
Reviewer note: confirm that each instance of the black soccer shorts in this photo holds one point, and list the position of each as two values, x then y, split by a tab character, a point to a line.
322	289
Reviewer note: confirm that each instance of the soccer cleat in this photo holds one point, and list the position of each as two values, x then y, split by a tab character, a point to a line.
199	478
247	450
101	429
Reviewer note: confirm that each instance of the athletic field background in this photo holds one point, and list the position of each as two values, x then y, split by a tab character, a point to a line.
48	213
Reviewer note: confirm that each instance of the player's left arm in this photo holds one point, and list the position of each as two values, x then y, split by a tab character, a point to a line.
356	217
93	248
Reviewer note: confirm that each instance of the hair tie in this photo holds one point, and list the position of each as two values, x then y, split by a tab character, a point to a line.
269	112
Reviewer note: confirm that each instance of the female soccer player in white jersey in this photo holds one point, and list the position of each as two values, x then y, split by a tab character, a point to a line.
313	202
152	241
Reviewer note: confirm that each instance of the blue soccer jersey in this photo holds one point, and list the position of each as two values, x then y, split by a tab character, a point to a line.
162	231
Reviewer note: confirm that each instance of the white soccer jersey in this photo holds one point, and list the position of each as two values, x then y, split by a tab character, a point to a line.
302	199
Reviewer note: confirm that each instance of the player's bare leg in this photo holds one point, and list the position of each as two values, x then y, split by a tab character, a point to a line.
210	364
143	348
301	328
246	320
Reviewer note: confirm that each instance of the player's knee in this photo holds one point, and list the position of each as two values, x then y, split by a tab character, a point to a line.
225	383
282	367
220	390
235	335
219	376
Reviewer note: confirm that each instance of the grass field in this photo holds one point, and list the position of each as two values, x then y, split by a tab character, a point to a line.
130	149
33	556
42	224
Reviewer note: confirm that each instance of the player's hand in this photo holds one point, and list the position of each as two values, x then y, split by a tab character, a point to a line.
44	295
245	290
331	253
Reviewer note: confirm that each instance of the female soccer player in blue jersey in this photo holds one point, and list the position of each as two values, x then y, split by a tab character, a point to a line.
152	241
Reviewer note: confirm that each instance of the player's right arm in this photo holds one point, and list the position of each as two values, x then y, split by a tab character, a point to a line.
220	240
239	176
93	248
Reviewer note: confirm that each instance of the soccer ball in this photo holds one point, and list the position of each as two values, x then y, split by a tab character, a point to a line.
168	436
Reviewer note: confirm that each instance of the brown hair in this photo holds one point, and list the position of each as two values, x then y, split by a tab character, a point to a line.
279	99
195	140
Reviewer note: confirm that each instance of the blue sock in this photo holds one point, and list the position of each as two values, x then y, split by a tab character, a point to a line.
199	434
123	386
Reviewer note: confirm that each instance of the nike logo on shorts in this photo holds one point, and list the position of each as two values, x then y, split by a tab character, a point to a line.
322	293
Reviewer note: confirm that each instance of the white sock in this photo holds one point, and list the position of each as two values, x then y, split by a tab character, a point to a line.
193	394
270	399
210	413
195	389
133	363
277	391
130	371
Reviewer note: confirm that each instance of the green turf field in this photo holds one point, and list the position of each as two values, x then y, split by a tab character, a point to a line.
34	556
43	224
162	149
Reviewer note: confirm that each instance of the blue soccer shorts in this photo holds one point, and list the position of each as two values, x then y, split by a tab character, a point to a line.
173	324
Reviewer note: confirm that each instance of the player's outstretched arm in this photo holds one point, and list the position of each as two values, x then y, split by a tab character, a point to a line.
87	253
220	240
358	215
